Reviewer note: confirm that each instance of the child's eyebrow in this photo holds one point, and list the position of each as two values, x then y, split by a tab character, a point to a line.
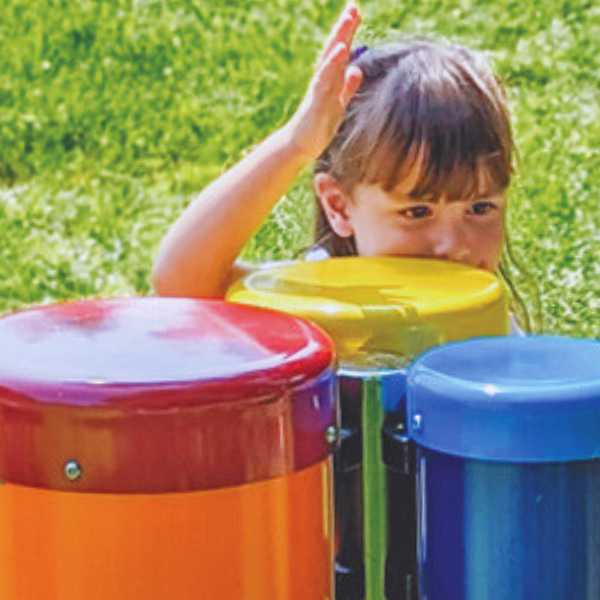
411	197
497	196
492	195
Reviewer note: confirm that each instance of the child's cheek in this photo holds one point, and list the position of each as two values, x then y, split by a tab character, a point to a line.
491	246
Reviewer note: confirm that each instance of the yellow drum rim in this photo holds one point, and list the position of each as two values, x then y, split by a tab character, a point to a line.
427	301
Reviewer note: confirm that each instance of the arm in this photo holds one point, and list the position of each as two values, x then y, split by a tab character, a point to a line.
197	256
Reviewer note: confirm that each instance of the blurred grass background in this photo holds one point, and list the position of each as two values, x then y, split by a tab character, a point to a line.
115	113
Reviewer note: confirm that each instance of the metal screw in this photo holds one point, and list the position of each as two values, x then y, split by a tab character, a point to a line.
73	470
399	428
332	435
417	422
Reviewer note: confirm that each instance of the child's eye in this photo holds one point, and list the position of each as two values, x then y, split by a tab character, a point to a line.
482	208
416	212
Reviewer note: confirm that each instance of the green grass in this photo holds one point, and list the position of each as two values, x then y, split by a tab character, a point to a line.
114	113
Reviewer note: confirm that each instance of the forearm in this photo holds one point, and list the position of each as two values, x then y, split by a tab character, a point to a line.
196	257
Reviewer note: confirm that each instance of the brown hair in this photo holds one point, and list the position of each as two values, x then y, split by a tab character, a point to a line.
424	108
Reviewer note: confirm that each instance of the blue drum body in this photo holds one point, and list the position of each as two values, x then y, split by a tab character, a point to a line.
496	531
508	469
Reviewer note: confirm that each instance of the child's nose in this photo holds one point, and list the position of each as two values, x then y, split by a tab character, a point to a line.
451	244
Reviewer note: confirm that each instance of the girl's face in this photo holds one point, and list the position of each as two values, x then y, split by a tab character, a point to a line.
392	223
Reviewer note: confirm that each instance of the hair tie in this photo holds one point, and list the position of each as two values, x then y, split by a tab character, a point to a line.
358	52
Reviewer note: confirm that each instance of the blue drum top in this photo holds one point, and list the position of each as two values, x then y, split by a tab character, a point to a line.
509	399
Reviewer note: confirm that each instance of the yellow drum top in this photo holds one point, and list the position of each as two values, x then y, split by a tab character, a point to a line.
397	306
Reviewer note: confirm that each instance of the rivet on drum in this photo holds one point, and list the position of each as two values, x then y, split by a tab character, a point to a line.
332	435
73	470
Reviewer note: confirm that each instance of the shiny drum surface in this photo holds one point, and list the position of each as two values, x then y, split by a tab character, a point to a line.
381	314
378	308
508	474
267	539
157	448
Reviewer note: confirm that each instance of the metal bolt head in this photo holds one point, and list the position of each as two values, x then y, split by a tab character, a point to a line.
332	435
73	470
417	422
399	428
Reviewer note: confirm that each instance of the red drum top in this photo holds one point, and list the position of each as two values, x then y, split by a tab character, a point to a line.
160	395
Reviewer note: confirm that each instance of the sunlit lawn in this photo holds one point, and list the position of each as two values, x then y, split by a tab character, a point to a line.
114	113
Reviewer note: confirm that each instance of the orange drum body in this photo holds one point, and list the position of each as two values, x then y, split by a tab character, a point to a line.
164	449
264	540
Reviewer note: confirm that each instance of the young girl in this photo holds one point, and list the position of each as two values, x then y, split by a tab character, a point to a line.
413	151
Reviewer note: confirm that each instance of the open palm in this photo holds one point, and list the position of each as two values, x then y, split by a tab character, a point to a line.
334	83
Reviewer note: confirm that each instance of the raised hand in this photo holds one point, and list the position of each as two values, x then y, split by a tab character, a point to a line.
334	83
197	257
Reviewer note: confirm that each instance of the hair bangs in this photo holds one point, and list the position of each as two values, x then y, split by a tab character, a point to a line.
446	136
422	174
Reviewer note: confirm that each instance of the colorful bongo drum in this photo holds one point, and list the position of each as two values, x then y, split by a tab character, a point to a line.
508	434
381	313
162	448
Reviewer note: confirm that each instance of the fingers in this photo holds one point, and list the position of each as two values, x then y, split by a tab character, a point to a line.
329	79
343	31
335	79
353	79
